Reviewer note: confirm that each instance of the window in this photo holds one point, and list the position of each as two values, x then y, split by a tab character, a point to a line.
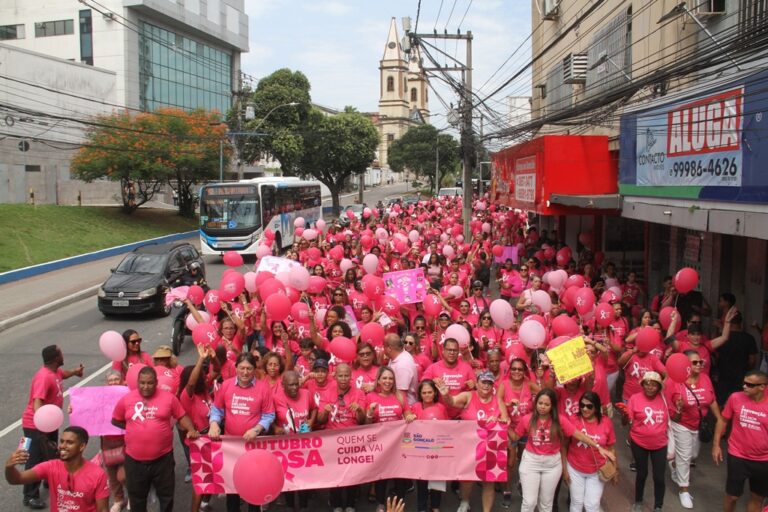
390	84
54	28
86	37
414	94
11	32
752	16
32	168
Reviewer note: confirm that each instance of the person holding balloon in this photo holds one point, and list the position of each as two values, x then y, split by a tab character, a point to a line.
526	304
648	417
46	397
688	401
133	354
638	360
255	410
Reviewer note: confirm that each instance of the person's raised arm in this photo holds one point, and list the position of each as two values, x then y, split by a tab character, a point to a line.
74	372
723	338
194	311
15	477
203	351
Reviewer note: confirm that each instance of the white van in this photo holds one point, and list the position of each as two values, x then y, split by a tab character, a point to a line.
453	191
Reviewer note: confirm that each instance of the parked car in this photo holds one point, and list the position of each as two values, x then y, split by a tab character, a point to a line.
139	283
452	191
357	209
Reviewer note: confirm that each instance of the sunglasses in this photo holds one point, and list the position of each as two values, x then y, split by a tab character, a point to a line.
135	341
365	354
751	385
486	318
523	269
338	294
420	328
517	369
700	362
409	343
587	406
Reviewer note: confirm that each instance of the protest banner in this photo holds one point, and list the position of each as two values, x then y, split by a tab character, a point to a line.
407	286
570	360
423	450
276	264
92	408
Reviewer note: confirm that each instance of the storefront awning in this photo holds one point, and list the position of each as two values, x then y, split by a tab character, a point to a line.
599	202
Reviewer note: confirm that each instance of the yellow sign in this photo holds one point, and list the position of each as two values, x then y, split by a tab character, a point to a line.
570	360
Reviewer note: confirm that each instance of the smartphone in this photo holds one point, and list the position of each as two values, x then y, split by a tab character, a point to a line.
25	443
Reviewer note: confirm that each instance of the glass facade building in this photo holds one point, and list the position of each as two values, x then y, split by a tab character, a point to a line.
176	71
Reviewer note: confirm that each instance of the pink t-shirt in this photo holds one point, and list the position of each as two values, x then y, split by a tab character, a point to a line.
649	419
316	391
388	408
749	429
133	358
704	350
47	386
168	378
341	416
73	492
568	401
600	385
519	402
197	408
476	410
148	430
436	411
455	378
362	376
634	370
243	407
584	458
703	391
540	438
291	413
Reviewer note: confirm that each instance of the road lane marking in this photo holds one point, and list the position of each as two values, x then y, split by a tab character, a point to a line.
13	426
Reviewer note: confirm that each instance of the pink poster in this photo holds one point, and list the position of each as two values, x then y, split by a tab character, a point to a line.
407	286
92	408
423	450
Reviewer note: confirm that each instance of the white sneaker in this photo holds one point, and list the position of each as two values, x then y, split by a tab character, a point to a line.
349	509
338	509
686	500
463	507
637	507
673	473
116	507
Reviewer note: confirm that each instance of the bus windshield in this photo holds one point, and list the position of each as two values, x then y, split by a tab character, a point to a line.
233	207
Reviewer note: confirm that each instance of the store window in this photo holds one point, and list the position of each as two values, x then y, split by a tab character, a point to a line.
8	32
54	28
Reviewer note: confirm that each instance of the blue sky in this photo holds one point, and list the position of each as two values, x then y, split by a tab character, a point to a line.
338	44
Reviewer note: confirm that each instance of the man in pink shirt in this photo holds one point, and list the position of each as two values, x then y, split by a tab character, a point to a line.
747	412
146	414
46	388
78	484
457	375
402	363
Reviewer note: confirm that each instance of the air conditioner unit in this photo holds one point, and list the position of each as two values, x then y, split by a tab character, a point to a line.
575	68
708	8
550	9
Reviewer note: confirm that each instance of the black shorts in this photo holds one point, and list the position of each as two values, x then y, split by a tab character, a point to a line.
740	470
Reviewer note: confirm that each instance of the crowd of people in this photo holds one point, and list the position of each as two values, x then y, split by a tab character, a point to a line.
264	374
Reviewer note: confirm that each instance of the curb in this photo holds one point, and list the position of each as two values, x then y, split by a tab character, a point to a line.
42	268
47	308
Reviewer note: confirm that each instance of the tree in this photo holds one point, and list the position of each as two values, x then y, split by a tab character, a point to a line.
419	149
144	151
338	147
281	125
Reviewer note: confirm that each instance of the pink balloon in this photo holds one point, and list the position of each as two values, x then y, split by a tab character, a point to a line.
205	334
316	284
298	232
563	256
278	306
370	263
271	287
557	341
346	264
300	312
250	281
413	236
373	286
191	323
648	339
456	291
432	306
212	301
231	286
532	334
584	300
665	317
48	418
502	313
604	314
609	297
262	276
343	348
269	235
299	278
389	305
486	227
266	488
309	234
679	367
366	241
196	294
557	279
542	300
263	250
232	259
459	333
686	280
575	280
337	253
448	251
372	333
132	376
564	325
615	289
320	225
299	222
112	345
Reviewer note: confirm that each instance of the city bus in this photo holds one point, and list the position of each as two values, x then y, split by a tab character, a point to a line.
233	216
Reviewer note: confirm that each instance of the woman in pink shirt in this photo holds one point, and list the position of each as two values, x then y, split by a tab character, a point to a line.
542	465
386	403
648	415
428	408
365	371
688	403
134	354
583	462
412	345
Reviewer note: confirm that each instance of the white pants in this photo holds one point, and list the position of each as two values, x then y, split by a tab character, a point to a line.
686	449
611	378
586	490
539	475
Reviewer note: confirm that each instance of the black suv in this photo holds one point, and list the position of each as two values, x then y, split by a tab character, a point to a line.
140	281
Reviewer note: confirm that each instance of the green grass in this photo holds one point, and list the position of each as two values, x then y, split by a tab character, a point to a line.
37	234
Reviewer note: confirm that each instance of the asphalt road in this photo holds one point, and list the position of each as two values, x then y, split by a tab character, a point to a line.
76	328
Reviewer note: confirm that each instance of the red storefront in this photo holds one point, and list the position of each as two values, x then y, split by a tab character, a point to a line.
557	175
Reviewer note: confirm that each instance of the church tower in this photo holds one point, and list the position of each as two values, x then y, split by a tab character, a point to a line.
403	93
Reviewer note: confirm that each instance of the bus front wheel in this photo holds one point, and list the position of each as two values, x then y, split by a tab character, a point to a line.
277	245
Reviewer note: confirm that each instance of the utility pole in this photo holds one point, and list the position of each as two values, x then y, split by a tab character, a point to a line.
437	167
412	39
479	163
